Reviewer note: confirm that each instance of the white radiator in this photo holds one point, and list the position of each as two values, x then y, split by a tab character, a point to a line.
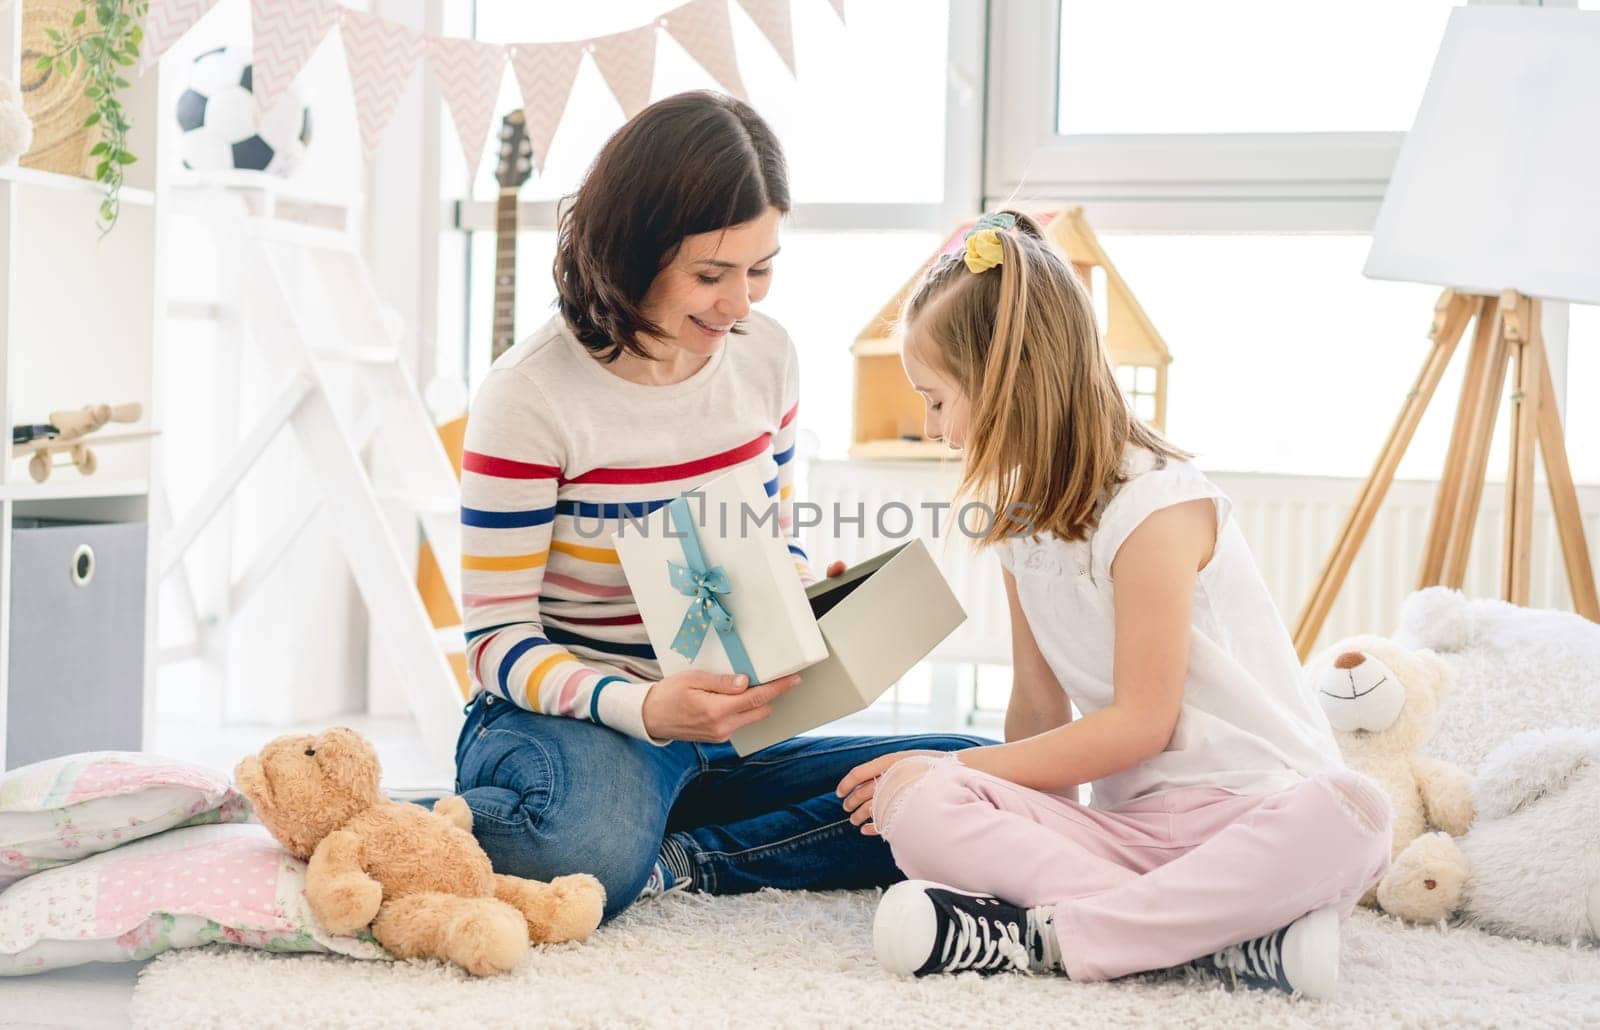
1290	522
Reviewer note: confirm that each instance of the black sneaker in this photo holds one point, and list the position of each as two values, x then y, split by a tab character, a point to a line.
924	928
1302	958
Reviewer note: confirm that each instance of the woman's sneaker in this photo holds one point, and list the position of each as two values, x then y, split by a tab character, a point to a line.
661	882
924	928
673	871
1302	958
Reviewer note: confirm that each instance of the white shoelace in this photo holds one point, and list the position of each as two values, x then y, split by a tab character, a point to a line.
657	886
974	942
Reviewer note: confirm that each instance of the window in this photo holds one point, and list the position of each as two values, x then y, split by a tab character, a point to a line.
1237	115
1174	66
1138	384
869	172
1284	358
872	135
1285	329
1232	157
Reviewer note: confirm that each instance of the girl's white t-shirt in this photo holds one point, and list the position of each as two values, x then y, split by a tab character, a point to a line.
1249	723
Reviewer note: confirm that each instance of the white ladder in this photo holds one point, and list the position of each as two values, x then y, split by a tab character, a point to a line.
309	303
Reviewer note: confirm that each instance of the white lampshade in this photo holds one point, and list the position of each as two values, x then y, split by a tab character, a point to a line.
1498	182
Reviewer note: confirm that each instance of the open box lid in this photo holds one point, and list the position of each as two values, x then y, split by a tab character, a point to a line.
879	619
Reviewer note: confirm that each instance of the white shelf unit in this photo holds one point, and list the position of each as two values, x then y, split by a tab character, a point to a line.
80	323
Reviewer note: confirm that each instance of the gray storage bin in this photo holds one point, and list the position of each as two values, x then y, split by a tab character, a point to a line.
77	638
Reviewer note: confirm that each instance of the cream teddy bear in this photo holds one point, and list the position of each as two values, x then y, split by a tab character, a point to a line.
1381	700
418	877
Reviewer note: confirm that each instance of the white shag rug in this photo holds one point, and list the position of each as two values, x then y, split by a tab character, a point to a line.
804	960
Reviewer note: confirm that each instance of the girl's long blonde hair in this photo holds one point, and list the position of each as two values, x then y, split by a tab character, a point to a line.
1048	426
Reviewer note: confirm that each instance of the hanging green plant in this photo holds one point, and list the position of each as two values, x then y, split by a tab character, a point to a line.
103	40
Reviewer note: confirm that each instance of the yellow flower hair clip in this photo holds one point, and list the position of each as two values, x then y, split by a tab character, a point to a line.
983	241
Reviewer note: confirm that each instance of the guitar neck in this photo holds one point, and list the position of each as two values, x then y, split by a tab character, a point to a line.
505	271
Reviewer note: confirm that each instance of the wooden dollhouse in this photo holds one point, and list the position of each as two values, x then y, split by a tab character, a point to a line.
888	413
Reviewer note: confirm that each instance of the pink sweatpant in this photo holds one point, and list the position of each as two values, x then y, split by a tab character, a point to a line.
1159	882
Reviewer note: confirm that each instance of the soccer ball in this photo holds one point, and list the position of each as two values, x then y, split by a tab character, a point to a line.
221	132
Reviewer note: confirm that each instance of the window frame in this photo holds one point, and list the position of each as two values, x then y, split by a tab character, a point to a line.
1225	182
1278	183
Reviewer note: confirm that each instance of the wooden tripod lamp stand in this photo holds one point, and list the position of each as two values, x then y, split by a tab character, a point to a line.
1495	197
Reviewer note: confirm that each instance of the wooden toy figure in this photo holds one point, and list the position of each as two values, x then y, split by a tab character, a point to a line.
70	429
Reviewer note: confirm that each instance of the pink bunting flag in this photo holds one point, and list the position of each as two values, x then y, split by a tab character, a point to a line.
838	8
381	55
776	22
286	34
165	23
545	73
469	74
704	31
627	61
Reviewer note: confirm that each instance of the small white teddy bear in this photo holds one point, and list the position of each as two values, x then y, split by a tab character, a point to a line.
16	129
1381	700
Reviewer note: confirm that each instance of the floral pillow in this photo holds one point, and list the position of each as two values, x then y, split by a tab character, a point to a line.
187	887
60	810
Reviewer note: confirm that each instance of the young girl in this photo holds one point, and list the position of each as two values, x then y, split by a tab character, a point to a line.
1223	827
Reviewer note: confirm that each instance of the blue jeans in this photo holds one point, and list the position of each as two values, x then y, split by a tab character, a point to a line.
552	795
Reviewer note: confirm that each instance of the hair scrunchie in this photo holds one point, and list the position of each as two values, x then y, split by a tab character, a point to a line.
983	241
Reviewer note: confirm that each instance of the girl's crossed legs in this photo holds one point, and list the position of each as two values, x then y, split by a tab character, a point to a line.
1154	884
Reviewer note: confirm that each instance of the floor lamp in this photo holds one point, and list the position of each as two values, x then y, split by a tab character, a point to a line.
1496	197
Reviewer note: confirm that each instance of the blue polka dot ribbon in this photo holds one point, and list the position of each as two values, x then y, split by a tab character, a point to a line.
705	586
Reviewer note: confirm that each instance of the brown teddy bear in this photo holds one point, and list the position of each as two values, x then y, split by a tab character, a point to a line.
418	877
1381	699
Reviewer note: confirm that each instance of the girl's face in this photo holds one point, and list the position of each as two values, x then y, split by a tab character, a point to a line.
711	282
946	415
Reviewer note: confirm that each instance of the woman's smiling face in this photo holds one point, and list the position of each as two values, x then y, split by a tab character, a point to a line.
711	282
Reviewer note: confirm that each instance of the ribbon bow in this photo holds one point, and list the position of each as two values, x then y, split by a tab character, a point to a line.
705	610
705	585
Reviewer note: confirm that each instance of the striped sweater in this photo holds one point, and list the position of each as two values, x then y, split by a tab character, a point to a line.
559	449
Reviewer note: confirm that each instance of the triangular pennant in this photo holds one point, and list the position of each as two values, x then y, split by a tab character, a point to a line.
382	55
469	74
776	22
165	23
838	8
286	33
703	30
545	72
627	61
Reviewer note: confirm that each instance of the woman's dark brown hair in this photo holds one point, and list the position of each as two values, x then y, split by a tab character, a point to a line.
692	163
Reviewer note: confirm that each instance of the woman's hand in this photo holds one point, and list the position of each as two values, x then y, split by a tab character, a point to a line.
707	707
861	783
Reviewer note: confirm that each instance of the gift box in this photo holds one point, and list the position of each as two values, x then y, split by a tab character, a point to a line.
718	590
716	585
879	619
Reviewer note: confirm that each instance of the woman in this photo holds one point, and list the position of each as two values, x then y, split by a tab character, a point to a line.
655	376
